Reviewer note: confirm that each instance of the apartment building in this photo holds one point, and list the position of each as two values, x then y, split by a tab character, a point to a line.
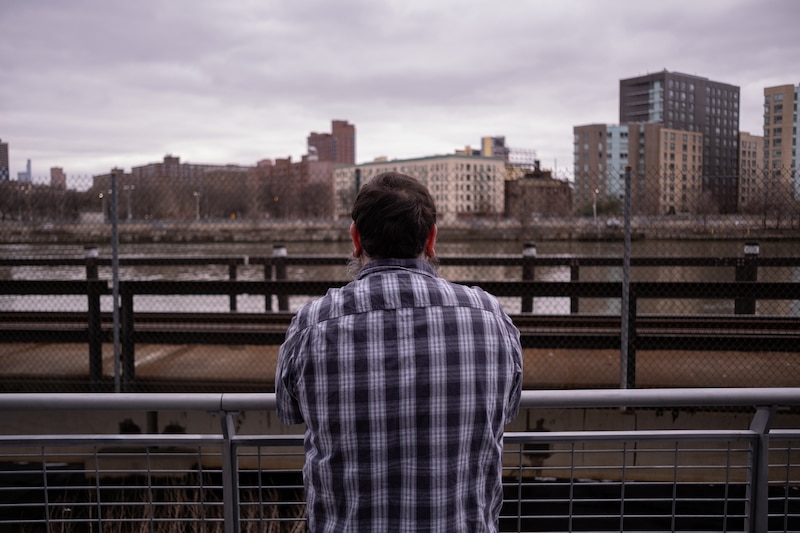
683	102
461	185
781	123
536	193
58	179
338	146
751	172
665	163
5	173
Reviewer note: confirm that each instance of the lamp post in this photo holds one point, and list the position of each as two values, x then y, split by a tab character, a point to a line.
128	189
103	207
594	209
196	205
19	202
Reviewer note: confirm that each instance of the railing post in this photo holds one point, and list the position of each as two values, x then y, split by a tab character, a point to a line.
747	270
628	297
528	255
574	275
94	325
628	342
232	277
127	341
268	274
279	254
230	474
757	492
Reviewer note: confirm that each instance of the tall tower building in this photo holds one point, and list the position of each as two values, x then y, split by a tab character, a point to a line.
781	123
5	173
339	146
27	176
694	104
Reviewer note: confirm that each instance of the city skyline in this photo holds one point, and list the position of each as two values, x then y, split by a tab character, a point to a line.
97	85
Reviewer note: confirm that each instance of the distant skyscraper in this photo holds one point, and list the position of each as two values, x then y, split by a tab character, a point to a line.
338	146
694	104
25	177
5	174
781	123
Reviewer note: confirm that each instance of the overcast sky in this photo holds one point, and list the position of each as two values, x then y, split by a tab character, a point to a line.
88	85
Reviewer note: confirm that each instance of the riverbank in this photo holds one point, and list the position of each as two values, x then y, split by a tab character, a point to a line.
549	229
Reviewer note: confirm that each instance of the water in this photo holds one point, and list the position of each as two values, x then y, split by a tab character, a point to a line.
255	303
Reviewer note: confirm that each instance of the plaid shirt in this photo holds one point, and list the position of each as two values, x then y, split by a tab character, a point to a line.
404	381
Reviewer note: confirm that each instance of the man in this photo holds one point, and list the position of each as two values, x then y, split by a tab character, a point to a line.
404	381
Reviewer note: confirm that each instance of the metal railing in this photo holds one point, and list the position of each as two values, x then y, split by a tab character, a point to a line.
196	478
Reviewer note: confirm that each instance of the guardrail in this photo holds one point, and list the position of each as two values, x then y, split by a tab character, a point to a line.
736	332
275	267
743	330
682	479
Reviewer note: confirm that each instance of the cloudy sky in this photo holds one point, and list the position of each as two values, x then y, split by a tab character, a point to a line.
93	84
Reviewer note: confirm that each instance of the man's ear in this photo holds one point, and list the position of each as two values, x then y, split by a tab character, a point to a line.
356	238
430	242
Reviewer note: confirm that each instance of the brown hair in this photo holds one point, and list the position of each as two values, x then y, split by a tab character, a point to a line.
394	214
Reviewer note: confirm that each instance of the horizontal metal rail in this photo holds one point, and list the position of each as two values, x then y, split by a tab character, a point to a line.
738	332
629	480
568	399
478	260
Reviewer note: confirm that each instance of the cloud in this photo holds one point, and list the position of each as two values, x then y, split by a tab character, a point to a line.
94	83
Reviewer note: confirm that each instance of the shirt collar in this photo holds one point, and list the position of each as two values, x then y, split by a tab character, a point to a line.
419	266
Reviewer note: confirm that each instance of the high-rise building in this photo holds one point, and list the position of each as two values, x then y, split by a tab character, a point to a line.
5	173
665	167
339	146
781	123
751	172
693	104
27	176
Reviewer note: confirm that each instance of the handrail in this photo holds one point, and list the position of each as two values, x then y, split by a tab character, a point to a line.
577	398
465	260
753	445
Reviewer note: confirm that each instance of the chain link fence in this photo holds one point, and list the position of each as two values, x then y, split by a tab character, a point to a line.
206	267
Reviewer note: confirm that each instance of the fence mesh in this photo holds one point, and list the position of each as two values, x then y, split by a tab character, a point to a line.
713	294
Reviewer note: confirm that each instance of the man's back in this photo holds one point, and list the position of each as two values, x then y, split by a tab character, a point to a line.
405	382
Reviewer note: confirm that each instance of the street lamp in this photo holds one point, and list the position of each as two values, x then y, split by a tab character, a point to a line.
129	188
19	202
196	205
594	209
103	207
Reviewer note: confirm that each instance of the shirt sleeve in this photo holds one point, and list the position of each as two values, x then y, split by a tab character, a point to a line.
515	393
287	405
